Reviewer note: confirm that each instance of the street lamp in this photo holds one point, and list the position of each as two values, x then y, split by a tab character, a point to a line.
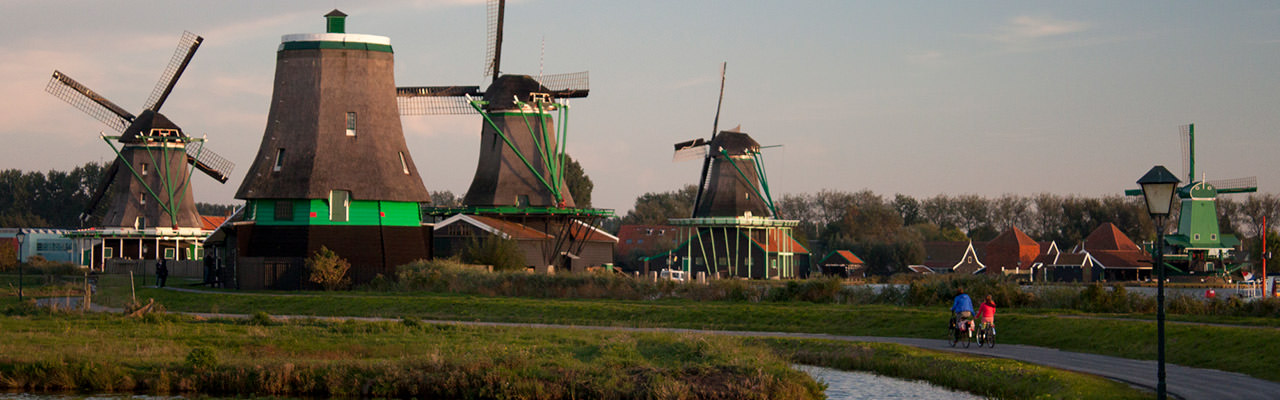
1158	186
22	237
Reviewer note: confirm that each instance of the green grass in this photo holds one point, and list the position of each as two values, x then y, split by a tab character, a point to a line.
1224	348
168	354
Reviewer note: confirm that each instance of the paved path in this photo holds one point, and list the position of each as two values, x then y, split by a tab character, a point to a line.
1182	382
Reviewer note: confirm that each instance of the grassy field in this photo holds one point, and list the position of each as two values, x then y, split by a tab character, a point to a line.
1225	348
169	354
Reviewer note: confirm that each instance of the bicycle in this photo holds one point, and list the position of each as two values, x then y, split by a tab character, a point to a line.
987	335
958	333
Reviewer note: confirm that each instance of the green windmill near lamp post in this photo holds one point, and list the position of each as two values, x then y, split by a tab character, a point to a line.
1199	246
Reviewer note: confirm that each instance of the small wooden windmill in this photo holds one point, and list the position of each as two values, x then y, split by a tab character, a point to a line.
519	180
522	153
1199	244
733	181
734	229
153	154
151	213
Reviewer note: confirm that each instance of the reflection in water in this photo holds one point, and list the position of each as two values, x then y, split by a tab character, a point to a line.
843	385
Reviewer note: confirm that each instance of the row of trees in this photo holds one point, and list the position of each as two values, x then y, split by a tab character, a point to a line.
889	232
55	199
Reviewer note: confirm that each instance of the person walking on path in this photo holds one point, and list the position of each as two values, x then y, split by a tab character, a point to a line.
162	272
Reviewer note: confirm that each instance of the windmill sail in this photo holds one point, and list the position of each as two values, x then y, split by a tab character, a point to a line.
81	97
689	150
187	46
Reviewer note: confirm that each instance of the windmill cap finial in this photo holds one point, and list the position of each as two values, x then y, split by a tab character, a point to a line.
336	21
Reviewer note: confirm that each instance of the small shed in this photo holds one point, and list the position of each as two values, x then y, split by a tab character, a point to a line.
843	263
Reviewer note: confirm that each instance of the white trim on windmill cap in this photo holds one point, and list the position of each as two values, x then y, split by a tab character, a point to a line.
336	37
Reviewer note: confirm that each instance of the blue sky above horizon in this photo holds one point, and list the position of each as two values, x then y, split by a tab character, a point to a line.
919	98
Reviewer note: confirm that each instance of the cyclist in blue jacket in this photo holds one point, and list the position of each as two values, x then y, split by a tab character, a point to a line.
962	310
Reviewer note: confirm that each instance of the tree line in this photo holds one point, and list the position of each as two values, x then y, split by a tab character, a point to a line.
889	233
55	199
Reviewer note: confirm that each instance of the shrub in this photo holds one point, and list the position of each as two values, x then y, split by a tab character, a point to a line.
261	318
202	358
328	270
502	253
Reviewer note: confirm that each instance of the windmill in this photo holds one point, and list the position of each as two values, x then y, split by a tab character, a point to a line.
333	169
522	153
734	230
519	175
733	181
1199	244
153	156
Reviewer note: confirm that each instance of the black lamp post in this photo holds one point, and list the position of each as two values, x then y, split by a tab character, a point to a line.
22	237
1158	186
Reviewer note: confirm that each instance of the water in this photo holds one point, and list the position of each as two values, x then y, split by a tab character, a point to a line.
843	385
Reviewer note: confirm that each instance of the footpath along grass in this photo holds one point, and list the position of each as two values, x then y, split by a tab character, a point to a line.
166	354
1224	348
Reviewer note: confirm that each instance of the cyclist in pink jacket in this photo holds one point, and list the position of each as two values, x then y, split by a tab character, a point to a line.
987	312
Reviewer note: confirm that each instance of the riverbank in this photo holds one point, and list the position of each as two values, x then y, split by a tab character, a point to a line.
261	355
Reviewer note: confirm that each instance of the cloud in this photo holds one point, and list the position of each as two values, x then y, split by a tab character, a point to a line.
1024	29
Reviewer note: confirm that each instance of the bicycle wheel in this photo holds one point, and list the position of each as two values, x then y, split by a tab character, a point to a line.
967	337
991	336
953	335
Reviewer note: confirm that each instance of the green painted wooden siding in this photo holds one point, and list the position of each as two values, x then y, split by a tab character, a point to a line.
361	212
337	45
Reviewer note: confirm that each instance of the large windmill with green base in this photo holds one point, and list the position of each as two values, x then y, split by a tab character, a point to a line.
150	211
1199	246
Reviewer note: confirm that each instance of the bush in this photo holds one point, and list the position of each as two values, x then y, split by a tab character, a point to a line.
202	358
502	253
328	270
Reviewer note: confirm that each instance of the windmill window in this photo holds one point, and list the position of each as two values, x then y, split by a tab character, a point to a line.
351	124
170	253
1196	236
279	159
284	210
140	223
142	198
108	252
404	166
522	200
144	169
339	202
1213	236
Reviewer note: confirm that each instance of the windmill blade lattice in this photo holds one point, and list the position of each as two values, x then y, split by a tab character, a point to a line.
493	57
187	46
573	84
210	163
81	97
436	100
1237	185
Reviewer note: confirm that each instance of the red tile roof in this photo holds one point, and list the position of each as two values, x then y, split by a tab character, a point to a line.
1011	250
1109	237
779	242
842	257
209	223
1114	250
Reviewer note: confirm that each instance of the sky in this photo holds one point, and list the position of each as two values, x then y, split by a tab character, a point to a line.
911	97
